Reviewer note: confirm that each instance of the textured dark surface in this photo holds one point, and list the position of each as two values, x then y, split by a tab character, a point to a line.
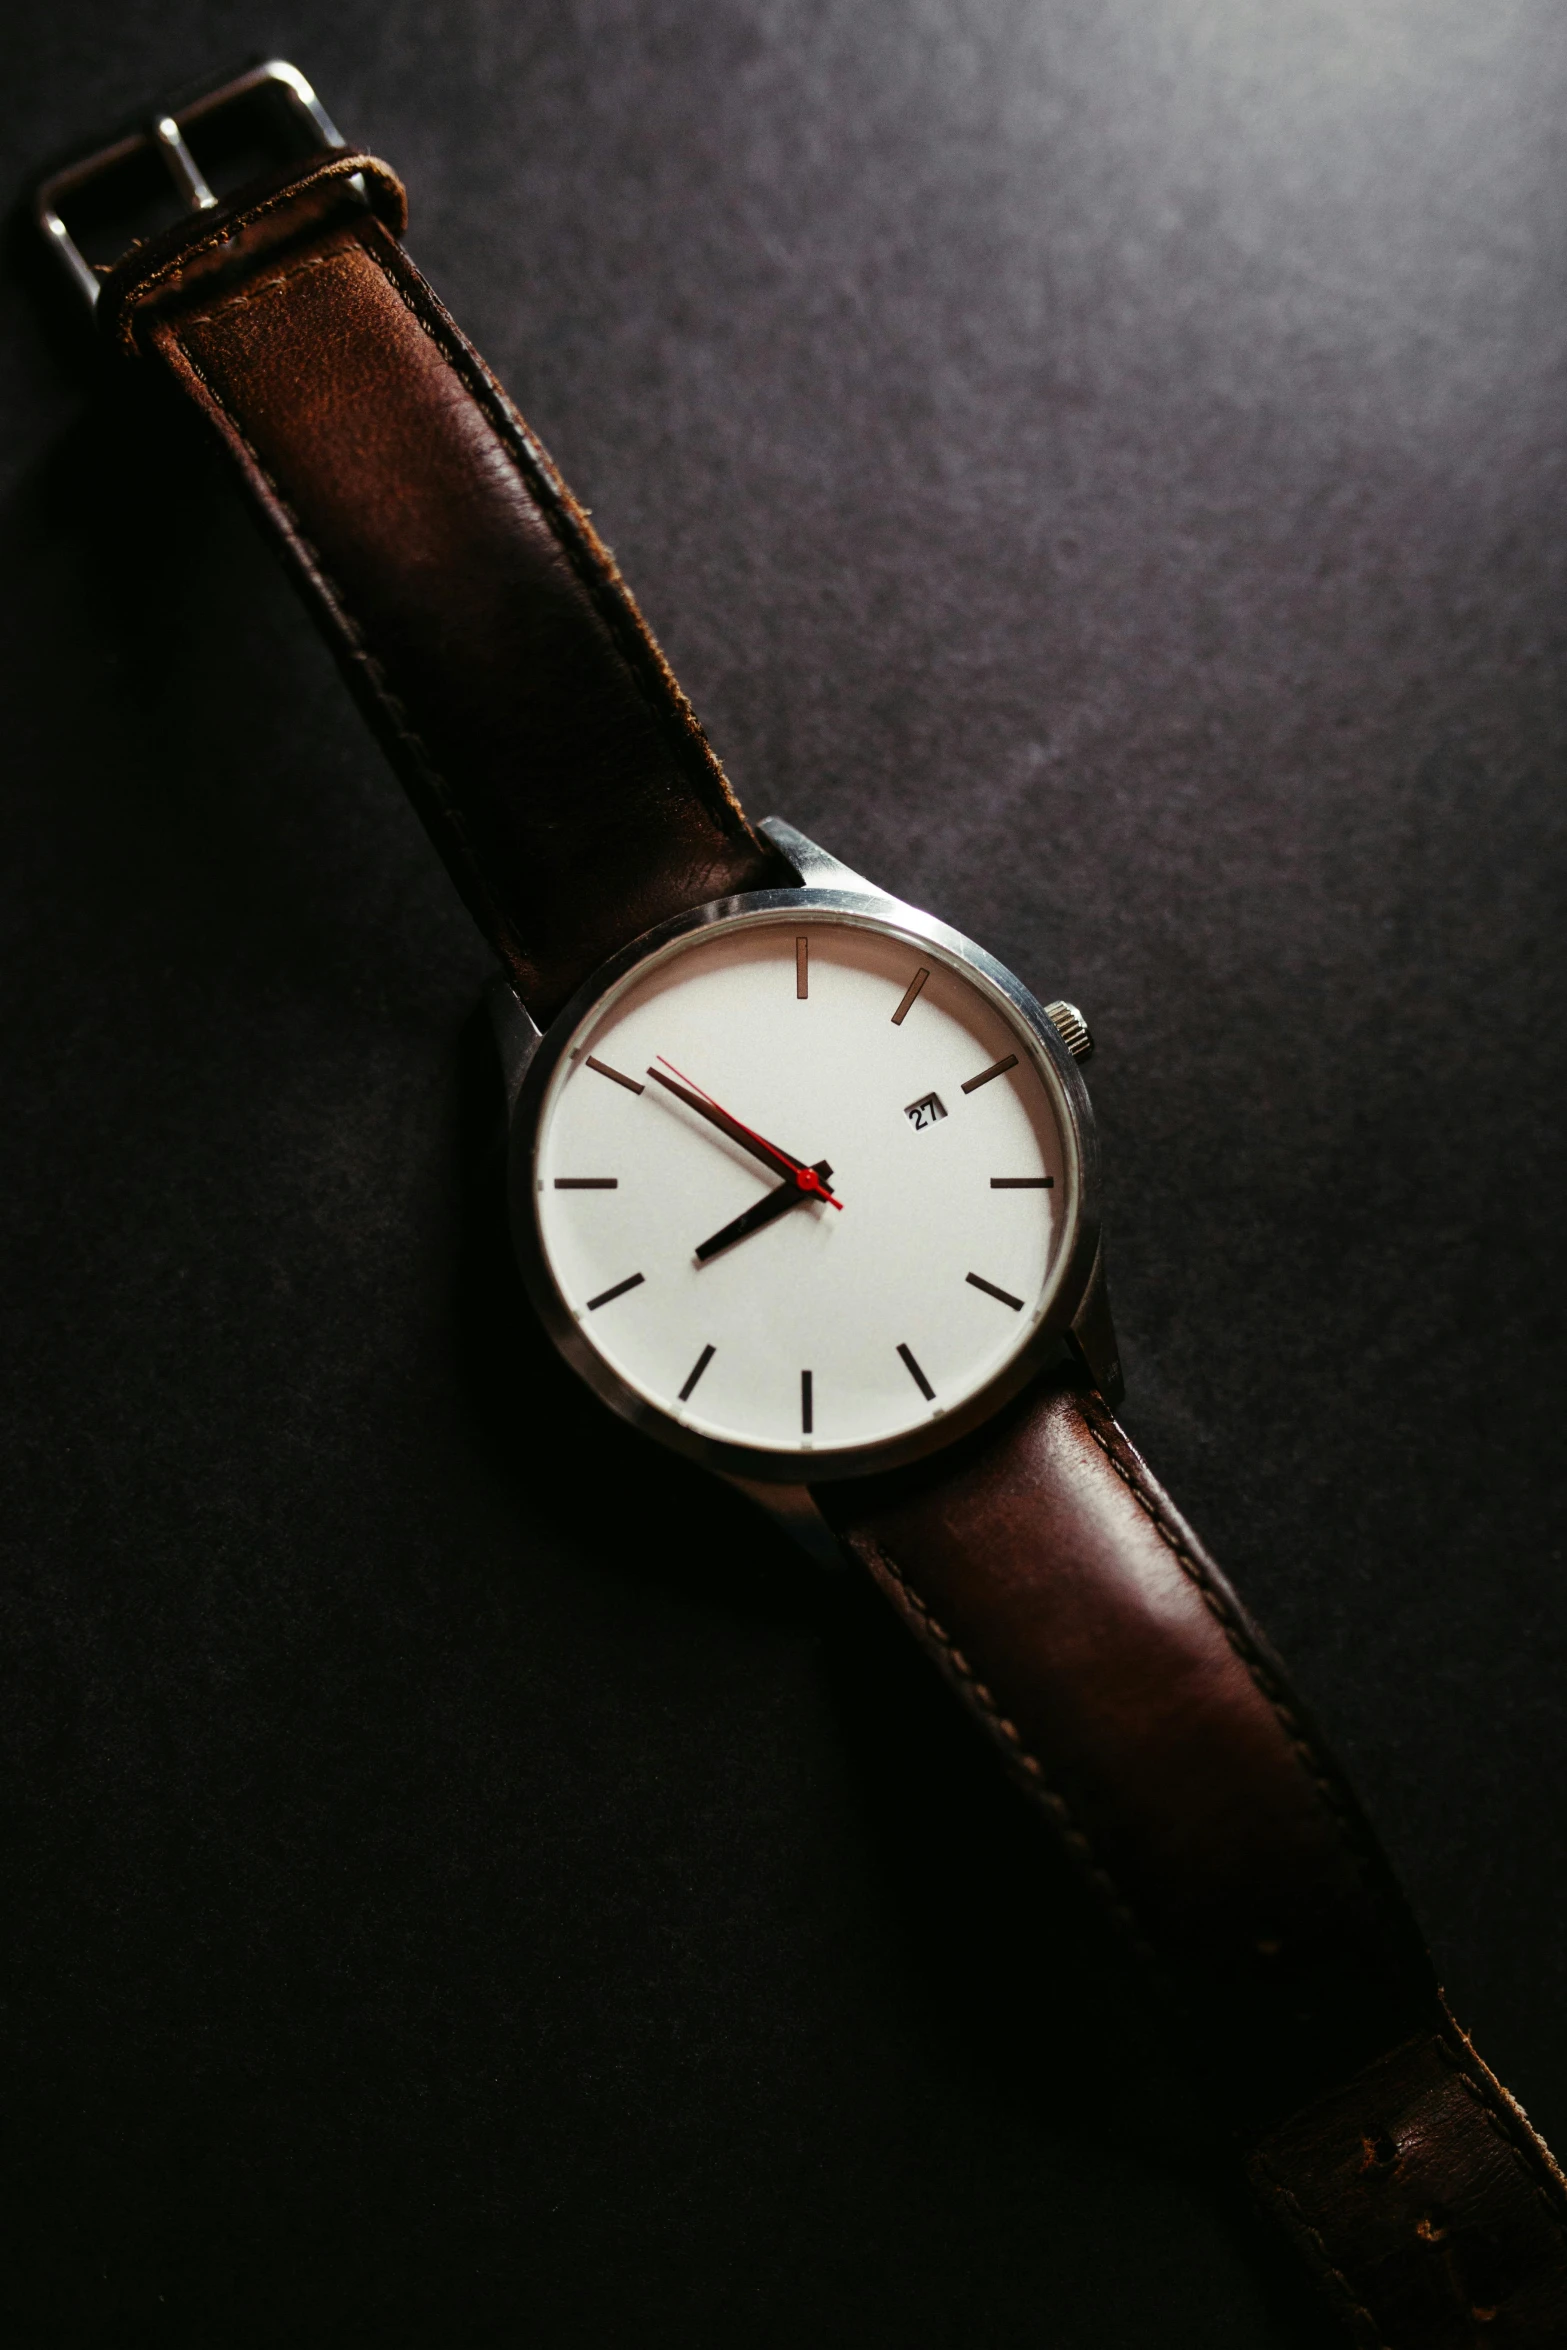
1100	470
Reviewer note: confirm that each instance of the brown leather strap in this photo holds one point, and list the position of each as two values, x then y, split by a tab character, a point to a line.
499	656
481	622
1079	1618
1429	2209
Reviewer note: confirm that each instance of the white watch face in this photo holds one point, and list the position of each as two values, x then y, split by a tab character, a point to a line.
805	1183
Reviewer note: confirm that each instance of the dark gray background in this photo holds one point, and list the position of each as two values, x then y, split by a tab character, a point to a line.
1100	469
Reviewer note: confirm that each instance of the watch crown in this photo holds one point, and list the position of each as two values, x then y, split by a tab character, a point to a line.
1072	1028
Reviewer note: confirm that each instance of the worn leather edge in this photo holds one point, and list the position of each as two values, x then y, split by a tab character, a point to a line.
232	238
853	1510
155	302
1460	2236
1412	2251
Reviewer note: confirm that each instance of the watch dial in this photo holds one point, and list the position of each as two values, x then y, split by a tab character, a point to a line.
804	1182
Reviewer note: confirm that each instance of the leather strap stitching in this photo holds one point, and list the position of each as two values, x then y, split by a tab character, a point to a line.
882	1564
1504	2124
177	299
1356	2308
271	284
594	566
169	272
592	563
1528	2152
333	594
1224	1615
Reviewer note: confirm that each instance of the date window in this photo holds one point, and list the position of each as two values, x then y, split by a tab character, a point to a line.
925	1111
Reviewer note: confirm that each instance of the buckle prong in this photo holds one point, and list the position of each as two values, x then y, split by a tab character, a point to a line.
183	168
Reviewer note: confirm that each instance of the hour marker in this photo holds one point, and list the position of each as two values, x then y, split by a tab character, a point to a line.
605	1070
908	996
996	1069
975	1282
917	1375
1022	1183
587	1183
697	1368
802	968
634	1281
807	1409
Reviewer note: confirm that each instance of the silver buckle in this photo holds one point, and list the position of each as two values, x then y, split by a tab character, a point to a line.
165	133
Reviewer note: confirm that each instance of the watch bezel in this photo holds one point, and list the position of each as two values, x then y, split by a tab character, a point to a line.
1045	1341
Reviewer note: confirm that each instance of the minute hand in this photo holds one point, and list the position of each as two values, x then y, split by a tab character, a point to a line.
806	1178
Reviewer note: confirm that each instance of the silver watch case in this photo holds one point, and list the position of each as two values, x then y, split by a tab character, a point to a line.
1076	1316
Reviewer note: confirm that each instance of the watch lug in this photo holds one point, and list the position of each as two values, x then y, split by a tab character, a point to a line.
793	1508
1092	1336
517	1034
816	868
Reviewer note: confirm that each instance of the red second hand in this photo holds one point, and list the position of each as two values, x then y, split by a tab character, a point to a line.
806	1177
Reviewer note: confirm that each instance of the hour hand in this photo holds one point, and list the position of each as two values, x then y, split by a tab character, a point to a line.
777	1203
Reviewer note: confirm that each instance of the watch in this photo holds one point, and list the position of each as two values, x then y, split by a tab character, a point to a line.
804	1185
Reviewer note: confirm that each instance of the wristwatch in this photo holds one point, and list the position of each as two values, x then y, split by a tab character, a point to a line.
804	1185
